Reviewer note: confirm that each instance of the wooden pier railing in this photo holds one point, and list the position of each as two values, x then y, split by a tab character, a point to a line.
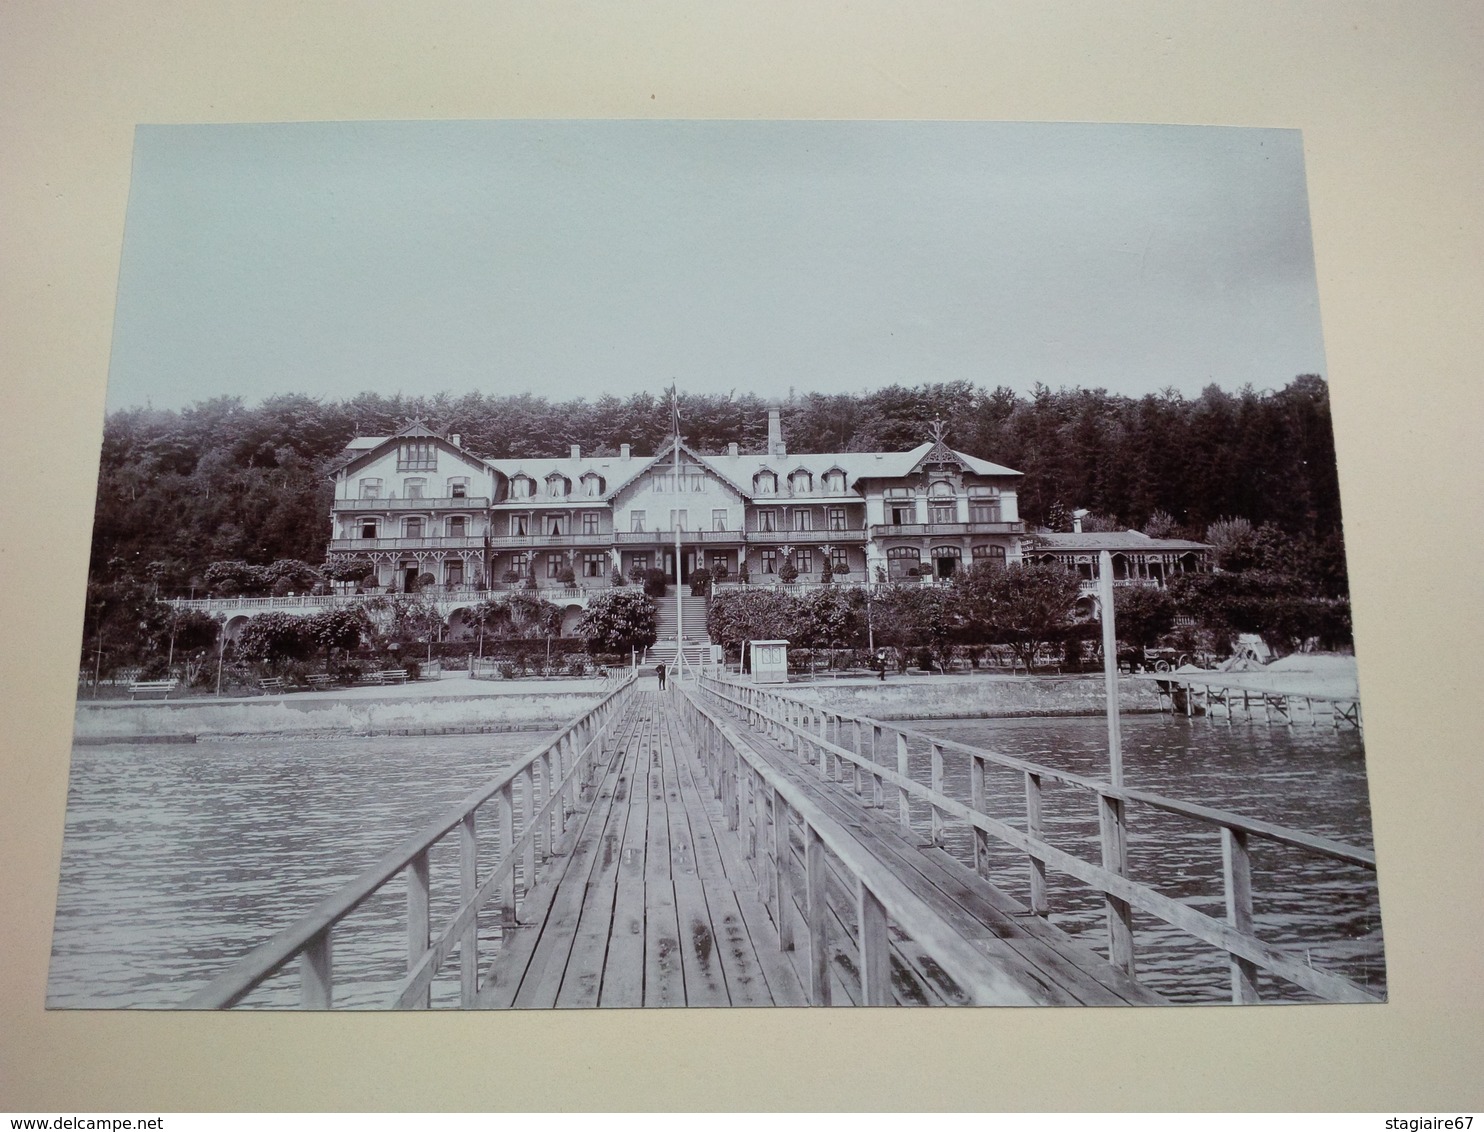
877	755
532	801
1217	698
764	807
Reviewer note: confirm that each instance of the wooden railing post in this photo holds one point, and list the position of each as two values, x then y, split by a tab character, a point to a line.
1039	904
1115	860
979	803
859	753
816	899
468	889
505	811
904	807
419	927
937	787
878	791
875	948
316	974
782	888
1236	868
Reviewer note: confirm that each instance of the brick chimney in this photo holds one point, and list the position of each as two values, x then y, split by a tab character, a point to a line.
776	446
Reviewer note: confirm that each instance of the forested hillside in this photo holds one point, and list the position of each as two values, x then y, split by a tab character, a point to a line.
223	480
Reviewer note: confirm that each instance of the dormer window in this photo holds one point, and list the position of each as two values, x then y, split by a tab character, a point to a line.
421	456
834	481
801	482
522	487
558	485
592	485
765	483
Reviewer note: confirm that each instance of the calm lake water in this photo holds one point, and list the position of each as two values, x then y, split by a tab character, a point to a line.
180	858
1308	778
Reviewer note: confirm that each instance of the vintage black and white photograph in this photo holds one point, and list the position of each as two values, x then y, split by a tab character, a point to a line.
626	564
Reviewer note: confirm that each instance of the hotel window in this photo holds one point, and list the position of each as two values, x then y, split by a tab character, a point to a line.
994	555
639	562
803	519
719	562
837	518
520	563
767	519
371	489
457	526
941	512
719	519
984	508
558	486
419	457
636	523
589	522
770	562
412	528
368	528
898	513
801	482
901	559
555	564
838	559
765	483
678	519
594	565
834	481
458	487
555	524
520	525
453	572
415	489
804	561
520	487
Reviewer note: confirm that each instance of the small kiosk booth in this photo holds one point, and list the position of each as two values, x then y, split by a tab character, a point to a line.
769	662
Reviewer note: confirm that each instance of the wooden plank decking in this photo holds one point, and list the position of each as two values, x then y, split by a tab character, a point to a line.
650	900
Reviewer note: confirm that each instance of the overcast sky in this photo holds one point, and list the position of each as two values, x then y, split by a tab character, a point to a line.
577	258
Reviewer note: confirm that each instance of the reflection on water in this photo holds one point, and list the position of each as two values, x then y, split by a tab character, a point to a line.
1308	778
179	859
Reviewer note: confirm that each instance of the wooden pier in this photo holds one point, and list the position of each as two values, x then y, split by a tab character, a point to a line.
723	845
1215	697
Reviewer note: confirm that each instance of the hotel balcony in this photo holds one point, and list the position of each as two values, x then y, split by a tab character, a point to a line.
667	538
431	503
806	538
546	542
428	542
919	530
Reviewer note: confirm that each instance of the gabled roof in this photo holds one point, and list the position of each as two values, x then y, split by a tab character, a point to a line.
857	466
1111	540
666	452
361	448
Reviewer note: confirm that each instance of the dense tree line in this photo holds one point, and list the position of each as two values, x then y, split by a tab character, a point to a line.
220	481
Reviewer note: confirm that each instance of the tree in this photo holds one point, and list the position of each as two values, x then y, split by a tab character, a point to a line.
1025	607
915	617
332	629
1142	615
832	619
742	615
617	620
274	637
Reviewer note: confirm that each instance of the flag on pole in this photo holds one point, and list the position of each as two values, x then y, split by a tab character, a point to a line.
675	413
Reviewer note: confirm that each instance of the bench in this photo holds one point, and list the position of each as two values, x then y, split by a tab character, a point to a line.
272	684
387	676
320	680
164	687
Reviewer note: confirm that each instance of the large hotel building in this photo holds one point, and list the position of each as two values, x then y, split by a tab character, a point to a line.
419	503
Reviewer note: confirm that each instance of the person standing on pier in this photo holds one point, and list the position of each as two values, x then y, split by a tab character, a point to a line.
659	670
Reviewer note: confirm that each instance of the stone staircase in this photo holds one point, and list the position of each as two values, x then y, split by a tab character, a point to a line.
692	638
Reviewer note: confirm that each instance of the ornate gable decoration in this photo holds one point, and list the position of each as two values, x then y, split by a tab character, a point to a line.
940	455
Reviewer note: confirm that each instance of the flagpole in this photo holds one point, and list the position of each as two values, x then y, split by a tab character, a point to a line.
679	604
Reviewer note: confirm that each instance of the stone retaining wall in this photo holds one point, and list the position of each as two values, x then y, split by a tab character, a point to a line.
949	697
